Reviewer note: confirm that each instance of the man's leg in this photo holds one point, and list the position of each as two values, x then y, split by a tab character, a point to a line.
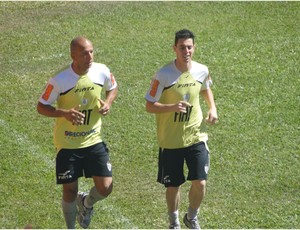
85	201
103	187
196	195
198	165
69	203
173	198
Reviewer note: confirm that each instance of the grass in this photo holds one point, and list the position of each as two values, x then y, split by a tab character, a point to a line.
252	51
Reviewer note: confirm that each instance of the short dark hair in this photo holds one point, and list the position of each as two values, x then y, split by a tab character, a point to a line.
184	33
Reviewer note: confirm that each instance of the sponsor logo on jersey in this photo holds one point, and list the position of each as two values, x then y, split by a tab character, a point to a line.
79	134
186	97
186	85
84	101
84	89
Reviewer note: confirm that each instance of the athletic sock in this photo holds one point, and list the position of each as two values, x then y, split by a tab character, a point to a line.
92	198
69	211
192	213
173	217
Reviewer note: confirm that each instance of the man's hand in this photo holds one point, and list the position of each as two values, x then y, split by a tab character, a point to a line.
104	107
74	116
181	106
212	117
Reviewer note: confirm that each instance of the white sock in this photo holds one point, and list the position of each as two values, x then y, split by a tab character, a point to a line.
92	198
173	217
192	213
69	211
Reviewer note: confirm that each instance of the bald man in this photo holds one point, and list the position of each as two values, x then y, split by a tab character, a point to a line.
73	97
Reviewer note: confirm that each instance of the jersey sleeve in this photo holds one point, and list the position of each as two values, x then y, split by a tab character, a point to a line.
110	82
156	88
203	76
207	83
50	93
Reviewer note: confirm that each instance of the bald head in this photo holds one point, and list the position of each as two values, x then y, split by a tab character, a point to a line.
82	54
79	42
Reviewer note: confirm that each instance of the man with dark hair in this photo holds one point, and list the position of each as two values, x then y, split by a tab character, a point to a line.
174	97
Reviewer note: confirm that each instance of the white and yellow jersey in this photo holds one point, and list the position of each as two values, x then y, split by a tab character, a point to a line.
69	90
169	86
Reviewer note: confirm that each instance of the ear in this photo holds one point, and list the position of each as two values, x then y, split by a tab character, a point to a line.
72	55
174	48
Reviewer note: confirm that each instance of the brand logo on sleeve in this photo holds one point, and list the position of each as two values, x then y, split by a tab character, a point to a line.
154	87
48	91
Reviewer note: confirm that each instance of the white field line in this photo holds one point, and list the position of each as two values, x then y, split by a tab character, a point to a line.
25	59
116	212
22	139
37	58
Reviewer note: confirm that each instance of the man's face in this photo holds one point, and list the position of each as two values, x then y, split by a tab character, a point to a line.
184	50
83	56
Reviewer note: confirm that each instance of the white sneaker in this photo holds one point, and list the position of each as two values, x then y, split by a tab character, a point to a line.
174	226
84	214
191	224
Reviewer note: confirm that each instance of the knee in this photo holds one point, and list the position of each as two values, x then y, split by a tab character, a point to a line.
172	189
199	184
202	183
69	194
105	190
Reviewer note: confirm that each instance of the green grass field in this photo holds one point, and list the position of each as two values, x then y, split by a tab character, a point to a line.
252	51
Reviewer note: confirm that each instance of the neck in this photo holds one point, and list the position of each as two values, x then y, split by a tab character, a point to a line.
183	67
77	70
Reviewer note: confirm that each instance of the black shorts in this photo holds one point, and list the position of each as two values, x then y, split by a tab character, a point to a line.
171	164
90	161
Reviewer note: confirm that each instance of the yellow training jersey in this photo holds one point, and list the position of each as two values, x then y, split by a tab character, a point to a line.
69	90
169	86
